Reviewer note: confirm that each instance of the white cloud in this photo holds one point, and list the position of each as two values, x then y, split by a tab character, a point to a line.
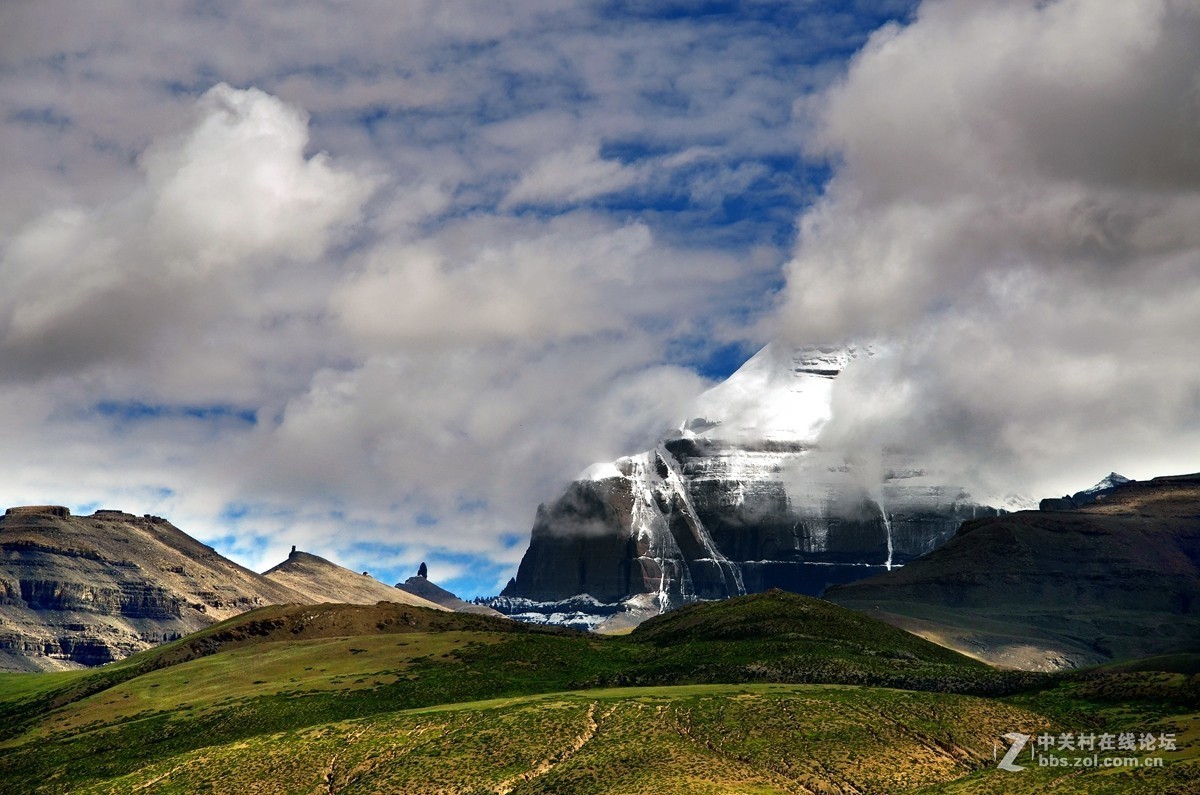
237	187
499	427
462	375
231	197
529	281
1014	215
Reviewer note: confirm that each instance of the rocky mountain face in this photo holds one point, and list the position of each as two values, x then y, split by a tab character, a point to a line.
320	580
85	590
739	500
1117	576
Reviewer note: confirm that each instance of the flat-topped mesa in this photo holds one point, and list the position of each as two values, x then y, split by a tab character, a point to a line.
58	511
86	590
1116	577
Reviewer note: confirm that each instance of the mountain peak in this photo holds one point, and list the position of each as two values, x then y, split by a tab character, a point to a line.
1110	481
779	394
740	499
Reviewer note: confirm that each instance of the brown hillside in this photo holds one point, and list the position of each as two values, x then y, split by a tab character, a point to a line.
84	590
321	580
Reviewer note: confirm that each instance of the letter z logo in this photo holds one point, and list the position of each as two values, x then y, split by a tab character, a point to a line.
1018	741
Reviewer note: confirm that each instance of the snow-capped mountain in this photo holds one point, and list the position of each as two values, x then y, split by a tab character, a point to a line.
1070	502
740	498
1108	484
778	395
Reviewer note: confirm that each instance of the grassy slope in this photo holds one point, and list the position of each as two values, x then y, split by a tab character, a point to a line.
1133	697
398	707
23	700
705	738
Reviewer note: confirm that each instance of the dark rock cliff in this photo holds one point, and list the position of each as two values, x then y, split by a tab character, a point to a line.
706	520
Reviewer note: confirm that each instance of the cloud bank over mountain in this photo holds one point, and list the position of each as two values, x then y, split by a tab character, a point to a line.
1014	219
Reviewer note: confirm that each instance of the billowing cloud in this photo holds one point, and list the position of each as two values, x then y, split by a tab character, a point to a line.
236	188
231	198
1015	221
403	430
488	280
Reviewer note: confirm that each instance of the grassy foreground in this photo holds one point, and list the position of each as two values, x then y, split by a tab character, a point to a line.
773	693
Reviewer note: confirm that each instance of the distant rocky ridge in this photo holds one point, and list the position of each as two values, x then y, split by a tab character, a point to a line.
1106	486
577	612
420	587
85	590
1111	577
739	500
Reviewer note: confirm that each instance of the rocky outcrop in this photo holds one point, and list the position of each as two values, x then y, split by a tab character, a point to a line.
1115	578
85	590
1070	502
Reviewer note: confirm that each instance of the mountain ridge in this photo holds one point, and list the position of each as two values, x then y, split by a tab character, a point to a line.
82	591
421	587
1114	578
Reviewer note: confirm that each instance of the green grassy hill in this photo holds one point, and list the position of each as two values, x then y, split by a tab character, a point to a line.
709	738
768	693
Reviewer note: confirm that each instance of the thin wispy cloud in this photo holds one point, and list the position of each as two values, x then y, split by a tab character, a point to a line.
1014	218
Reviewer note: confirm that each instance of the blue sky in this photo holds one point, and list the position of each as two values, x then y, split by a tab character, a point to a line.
375	279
